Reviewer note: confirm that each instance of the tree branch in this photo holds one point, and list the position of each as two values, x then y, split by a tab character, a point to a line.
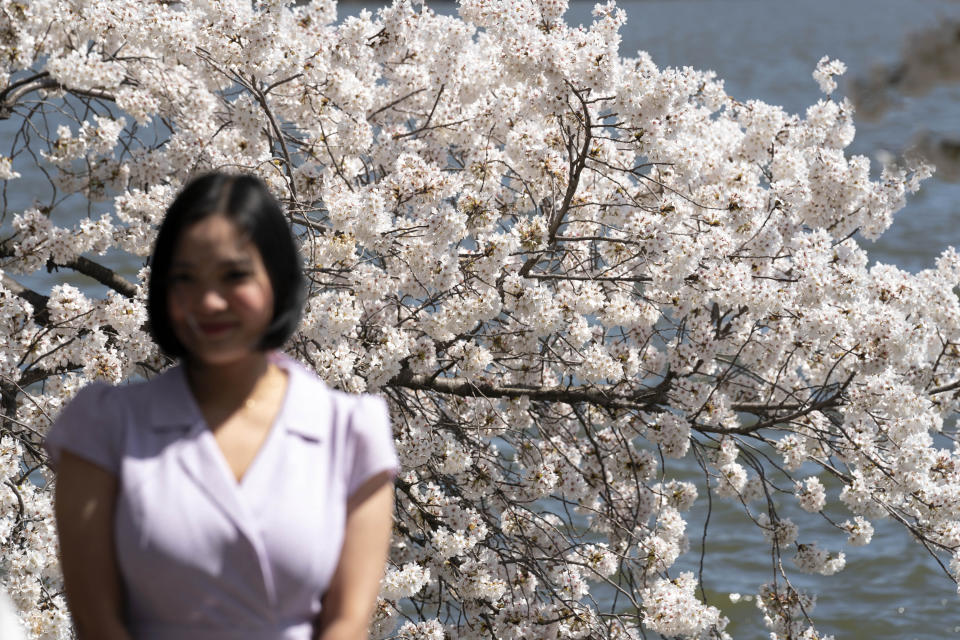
104	275
467	389
395	103
12	94
575	170
37	300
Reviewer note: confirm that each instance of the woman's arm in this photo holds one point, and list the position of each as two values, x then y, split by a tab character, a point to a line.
84	504
349	602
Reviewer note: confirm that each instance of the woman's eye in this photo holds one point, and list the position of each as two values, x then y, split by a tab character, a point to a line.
176	278
238	275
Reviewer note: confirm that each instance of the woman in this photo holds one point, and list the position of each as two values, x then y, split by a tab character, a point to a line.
234	495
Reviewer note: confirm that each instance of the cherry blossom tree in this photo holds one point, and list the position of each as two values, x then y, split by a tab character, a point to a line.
561	266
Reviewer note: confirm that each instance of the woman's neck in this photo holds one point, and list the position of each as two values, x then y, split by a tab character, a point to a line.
229	385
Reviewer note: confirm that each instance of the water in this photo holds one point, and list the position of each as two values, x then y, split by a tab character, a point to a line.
767	49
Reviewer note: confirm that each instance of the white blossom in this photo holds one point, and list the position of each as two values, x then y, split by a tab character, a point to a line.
670	608
404	582
811	494
861	531
825	72
811	559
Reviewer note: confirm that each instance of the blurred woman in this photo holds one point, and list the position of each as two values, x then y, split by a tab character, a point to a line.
234	495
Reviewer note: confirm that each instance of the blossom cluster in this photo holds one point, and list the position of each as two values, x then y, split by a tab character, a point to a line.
560	266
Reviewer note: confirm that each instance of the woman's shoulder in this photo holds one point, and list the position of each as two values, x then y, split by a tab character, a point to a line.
92	425
136	393
313	394
357	425
311	388
108	403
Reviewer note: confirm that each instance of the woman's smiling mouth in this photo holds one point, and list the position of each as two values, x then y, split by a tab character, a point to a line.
211	329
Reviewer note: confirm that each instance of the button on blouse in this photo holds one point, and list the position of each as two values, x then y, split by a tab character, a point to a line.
202	556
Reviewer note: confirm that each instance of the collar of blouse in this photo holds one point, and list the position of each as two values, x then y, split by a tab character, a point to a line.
172	405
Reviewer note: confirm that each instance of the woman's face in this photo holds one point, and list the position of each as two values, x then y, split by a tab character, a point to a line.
219	295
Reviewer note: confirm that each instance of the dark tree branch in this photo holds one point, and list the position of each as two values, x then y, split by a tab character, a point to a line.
648	400
395	103
37	300
576	168
10	96
104	275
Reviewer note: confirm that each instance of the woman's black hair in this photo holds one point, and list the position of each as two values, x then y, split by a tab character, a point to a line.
245	201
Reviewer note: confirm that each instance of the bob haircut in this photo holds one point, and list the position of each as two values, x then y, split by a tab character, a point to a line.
246	202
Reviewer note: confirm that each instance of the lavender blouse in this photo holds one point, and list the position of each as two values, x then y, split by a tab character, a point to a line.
202	556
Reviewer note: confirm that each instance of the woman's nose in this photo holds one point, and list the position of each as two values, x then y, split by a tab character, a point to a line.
211	299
